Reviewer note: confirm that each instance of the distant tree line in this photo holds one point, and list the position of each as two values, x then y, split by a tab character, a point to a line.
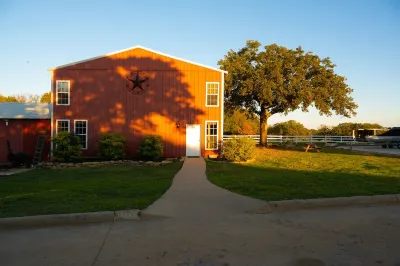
26	98
345	129
241	123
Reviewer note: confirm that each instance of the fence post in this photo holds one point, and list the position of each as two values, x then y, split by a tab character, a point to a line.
341	139
281	139
296	139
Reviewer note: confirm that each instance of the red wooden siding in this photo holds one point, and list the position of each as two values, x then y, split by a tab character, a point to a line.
177	92
22	134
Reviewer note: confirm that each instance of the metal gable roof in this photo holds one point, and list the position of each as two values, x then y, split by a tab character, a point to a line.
138	47
25	110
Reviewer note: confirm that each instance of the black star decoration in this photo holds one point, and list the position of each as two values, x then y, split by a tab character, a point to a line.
137	82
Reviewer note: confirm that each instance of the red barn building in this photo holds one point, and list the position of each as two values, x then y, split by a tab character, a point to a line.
136	92
20	124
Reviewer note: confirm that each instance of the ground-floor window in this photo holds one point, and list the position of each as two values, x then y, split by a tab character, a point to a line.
211	135
62	125
81	130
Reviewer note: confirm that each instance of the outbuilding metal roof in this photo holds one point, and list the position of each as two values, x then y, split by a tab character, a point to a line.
25	110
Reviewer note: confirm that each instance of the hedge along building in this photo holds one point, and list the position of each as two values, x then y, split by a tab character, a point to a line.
20	124
136	92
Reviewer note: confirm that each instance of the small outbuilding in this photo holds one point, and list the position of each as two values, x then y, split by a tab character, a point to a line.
20	124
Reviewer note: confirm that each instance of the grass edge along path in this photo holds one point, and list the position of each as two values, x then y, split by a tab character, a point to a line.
78	190
290	174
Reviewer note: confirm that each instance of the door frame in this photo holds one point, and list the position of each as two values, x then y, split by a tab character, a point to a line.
186	136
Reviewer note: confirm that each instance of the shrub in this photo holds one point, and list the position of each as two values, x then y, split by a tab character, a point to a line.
151	147
112	146
239	149
67	146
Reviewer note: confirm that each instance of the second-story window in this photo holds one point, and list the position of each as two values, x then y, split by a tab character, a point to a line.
212	94
62	92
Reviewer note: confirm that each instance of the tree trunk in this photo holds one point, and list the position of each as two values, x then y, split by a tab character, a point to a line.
264	125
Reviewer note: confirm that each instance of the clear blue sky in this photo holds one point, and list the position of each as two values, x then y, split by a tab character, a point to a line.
361	37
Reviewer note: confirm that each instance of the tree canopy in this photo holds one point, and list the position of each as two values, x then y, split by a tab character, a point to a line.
26	98
8	99
276	79
289	128
46	97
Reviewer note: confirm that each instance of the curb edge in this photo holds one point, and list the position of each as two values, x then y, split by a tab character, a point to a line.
298	204
69	219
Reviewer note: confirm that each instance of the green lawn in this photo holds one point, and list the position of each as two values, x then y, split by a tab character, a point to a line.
83	189
283	174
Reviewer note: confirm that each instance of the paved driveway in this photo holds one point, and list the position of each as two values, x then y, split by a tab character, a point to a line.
205	225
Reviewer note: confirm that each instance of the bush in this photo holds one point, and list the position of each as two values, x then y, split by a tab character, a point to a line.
112	146
151	147
67	146
239	149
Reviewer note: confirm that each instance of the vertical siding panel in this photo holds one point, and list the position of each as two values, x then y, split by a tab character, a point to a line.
157	88
180	111
167	90
187	95
199	106
179	77
181	86
175	78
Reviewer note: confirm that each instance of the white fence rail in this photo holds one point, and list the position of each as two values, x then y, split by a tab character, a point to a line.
297	139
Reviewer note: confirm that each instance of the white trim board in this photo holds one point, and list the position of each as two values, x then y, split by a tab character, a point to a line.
222	93
138	47
52	113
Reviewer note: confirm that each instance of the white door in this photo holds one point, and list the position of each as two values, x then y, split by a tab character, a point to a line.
193	140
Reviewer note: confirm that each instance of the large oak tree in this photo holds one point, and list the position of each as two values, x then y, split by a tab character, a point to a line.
276	79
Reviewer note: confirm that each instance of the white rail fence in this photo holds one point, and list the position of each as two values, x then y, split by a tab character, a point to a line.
297	139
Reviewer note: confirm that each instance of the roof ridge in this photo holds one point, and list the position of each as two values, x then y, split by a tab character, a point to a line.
137	47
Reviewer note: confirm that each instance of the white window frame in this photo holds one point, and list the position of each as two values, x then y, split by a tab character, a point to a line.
87	131
63	120
219	88
69	92
205	134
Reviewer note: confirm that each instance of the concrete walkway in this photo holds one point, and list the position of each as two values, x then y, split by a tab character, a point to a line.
192	196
